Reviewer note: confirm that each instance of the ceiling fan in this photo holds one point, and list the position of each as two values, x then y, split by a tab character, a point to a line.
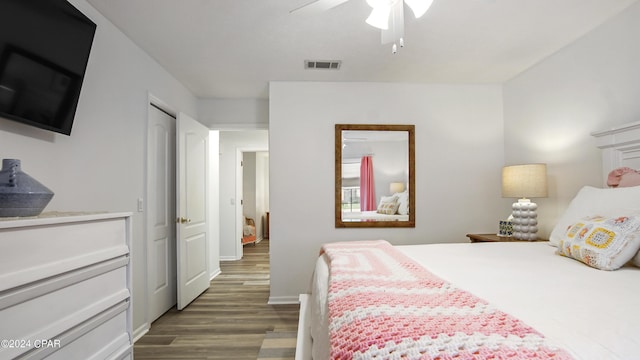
386	15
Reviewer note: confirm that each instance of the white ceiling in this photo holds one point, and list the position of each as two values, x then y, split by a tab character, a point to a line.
233	48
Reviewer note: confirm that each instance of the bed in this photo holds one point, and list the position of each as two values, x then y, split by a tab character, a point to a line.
590	313
372	216
571	305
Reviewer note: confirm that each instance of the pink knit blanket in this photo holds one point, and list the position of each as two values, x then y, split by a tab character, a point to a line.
383	305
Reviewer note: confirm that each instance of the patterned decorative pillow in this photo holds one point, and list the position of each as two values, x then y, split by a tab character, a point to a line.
601	242
590	200
388	205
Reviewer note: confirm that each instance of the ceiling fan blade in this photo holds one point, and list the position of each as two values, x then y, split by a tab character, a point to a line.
317	6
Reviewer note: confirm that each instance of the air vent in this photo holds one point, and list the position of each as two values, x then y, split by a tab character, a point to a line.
323	64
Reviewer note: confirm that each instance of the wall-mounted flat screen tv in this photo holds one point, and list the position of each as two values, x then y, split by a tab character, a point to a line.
44	50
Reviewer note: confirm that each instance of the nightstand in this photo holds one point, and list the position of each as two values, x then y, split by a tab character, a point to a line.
494	238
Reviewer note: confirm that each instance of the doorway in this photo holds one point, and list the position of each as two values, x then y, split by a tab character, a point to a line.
233	144
255	195
161	251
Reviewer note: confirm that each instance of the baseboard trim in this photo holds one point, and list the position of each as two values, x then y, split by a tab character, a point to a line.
283	300
215	274
228	258
140	331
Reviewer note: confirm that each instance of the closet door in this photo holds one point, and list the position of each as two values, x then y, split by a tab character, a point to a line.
161	212
192	209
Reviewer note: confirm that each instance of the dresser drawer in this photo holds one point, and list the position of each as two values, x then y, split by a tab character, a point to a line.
30	253
49	315
105	339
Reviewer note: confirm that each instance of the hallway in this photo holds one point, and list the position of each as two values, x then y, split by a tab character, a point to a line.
231	320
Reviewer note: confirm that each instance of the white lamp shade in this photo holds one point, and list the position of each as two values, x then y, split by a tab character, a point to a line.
396	187
419	7
524	181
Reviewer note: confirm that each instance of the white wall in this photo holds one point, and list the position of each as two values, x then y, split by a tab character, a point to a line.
551	109
234	113
232	143
100	167
459	156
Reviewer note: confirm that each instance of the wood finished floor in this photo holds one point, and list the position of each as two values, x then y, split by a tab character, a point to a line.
230	321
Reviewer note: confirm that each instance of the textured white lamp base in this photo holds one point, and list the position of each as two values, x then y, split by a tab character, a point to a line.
525	220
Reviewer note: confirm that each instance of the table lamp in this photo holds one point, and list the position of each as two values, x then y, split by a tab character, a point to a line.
396	187
524	182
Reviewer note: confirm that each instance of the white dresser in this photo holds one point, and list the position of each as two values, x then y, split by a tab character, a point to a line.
65	287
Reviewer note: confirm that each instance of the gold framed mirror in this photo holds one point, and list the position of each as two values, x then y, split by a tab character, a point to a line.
374	175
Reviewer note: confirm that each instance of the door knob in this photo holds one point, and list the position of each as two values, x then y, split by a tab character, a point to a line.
182	220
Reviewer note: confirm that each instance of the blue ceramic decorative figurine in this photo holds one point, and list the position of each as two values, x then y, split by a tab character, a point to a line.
20	194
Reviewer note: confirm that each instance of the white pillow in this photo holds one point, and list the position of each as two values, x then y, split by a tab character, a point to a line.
403	202
388	199
636	260
601	201
605	243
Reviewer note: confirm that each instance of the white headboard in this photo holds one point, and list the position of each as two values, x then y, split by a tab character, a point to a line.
620	147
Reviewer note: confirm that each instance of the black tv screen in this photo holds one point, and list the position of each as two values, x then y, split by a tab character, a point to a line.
44	50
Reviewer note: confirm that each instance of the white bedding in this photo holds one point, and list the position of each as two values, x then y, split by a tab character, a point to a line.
591	313
372	215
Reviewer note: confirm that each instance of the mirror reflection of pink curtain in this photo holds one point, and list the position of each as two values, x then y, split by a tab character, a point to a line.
367	188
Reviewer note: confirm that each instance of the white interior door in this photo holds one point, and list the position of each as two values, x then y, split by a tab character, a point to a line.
192	210
161	212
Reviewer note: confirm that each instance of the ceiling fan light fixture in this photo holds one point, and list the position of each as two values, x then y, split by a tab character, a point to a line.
388	16
379	17
419	7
